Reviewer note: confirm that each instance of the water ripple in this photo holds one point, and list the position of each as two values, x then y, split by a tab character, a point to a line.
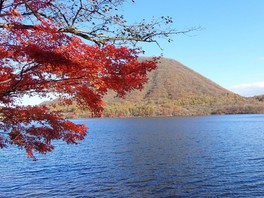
213	156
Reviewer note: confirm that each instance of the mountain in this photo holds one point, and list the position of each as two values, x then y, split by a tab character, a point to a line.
172	80
173	90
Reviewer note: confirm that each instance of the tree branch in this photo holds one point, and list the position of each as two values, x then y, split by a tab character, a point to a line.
77	13
16	26
1	5
30	8
5	81
61	13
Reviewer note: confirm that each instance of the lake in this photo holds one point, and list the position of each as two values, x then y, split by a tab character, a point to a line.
206	156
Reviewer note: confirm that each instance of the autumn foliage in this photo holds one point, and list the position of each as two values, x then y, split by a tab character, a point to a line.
40	54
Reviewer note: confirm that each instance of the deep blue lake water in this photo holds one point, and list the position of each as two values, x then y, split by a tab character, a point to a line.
209	156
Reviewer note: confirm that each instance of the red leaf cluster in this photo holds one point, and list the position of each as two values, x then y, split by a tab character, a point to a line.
40	59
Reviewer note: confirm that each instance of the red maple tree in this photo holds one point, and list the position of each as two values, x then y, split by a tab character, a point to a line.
74	49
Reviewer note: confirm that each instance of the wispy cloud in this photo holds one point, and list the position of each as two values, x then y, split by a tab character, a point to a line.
249	89
261	58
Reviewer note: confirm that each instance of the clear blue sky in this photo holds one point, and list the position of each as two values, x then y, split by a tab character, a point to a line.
228	50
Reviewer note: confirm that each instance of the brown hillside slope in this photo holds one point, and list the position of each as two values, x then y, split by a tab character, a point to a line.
172	90
173	80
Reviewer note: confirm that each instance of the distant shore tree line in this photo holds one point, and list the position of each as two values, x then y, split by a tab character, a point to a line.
189	106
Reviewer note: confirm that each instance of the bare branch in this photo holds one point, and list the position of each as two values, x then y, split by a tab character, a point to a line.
1	5
61	13
77	13
30	8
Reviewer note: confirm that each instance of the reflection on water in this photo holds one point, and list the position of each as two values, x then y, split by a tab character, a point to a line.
154	157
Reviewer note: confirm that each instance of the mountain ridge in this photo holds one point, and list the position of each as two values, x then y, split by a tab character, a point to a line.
173	80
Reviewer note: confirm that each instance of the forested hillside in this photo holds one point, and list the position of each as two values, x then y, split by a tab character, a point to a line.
173	90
